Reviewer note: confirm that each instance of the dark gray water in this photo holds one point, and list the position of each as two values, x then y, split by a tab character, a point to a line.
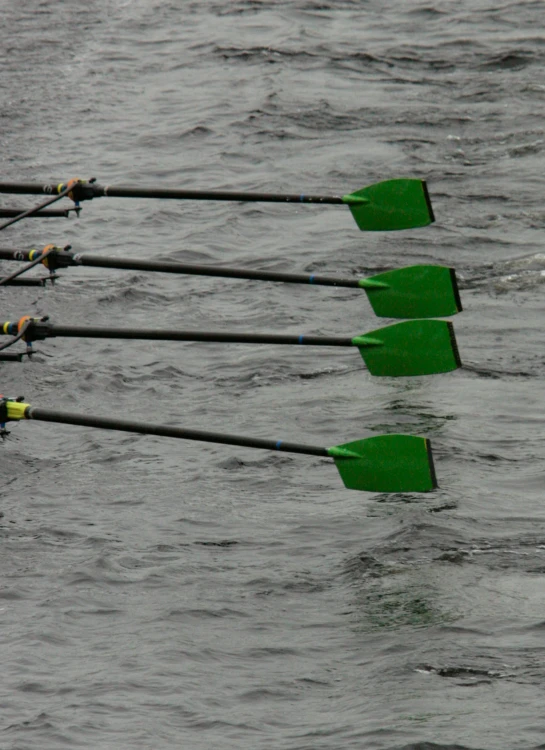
162	594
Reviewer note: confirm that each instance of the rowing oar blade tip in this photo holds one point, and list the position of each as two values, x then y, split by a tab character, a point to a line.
420	291
387	463
410	348
391	205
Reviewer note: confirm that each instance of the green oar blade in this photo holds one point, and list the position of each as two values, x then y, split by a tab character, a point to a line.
414	292
414	347
390	205
386	463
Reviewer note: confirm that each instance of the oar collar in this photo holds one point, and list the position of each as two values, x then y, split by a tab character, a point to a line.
80	190
11	410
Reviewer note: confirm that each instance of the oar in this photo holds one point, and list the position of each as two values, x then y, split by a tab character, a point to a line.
8	213
385	463
47	251
414	347
42	281
22	329
388	205
411	292
62	191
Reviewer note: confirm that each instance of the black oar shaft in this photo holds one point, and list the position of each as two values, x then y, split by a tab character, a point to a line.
111	423
97	191
214	195
134	264
216	271
27	282
8	213
177	335
27	188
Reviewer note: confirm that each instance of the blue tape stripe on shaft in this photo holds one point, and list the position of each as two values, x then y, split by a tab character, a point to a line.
301	339
302	197
278	444
311	279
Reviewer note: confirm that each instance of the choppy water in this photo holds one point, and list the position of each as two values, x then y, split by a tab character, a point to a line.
161	594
